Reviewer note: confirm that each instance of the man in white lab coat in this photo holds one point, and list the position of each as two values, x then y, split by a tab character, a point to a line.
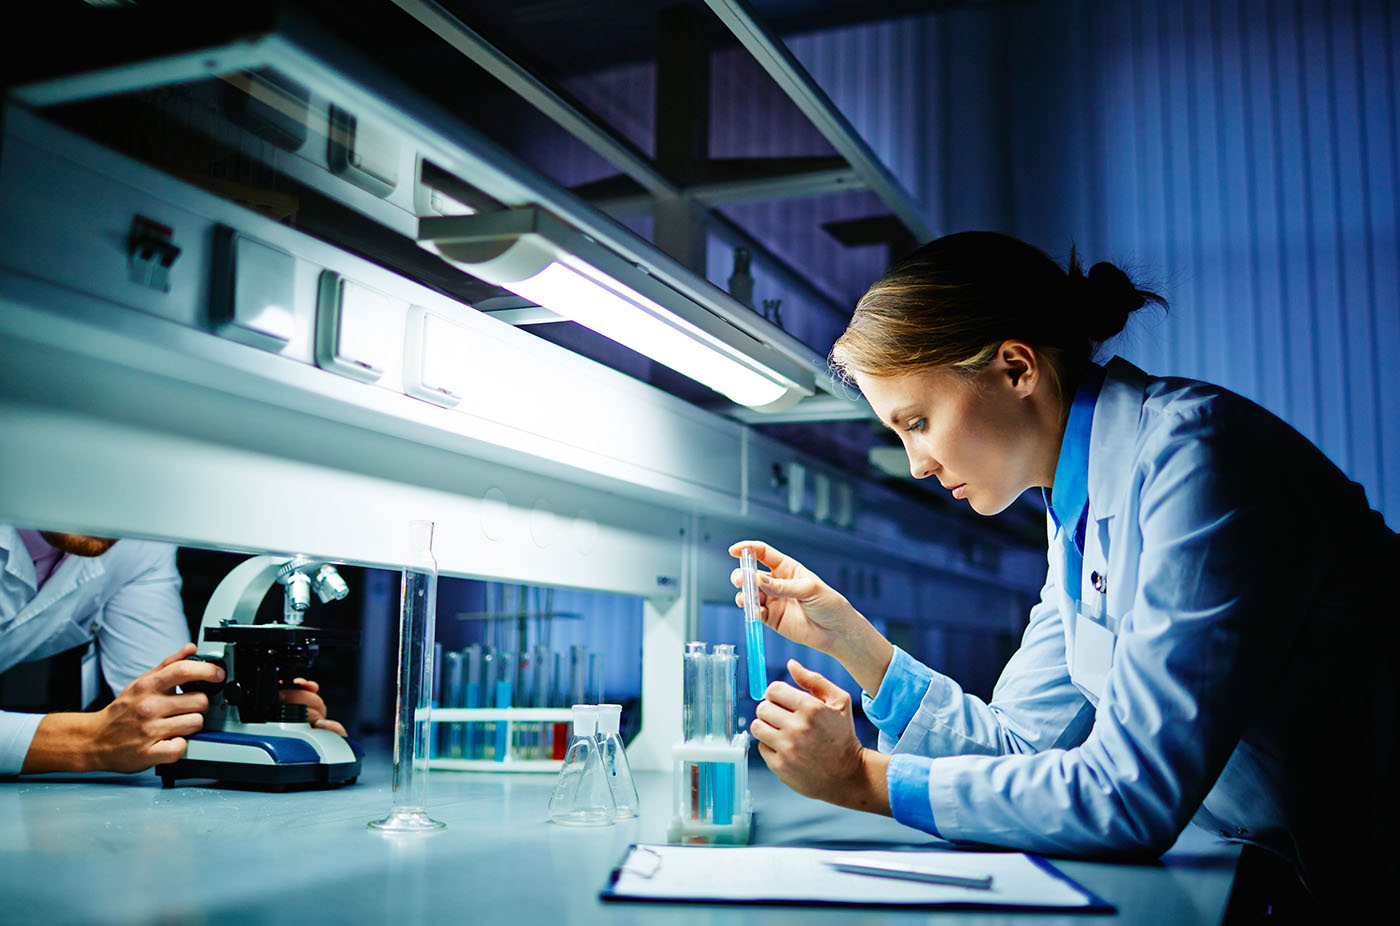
121	600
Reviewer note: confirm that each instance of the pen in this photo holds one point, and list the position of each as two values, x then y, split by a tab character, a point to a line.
909	873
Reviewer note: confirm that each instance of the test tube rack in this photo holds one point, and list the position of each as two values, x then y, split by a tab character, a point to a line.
712	802
509	716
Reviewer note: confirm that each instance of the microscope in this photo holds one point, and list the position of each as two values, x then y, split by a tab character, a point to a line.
250	736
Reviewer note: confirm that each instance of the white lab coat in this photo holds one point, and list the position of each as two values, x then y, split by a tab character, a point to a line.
125	602
1237	667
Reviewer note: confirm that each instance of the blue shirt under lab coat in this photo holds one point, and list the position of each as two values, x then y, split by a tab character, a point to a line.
1233	667
126	602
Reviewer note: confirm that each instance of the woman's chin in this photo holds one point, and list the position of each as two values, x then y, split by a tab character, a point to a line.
988	506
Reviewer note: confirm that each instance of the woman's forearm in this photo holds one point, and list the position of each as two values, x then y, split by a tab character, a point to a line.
866	654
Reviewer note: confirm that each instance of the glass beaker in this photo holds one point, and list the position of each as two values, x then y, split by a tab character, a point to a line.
408	785
582	795
614	758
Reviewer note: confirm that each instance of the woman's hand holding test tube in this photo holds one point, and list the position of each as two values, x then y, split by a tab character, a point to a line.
806	733
796	603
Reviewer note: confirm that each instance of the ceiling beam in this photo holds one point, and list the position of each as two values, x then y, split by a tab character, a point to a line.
775	58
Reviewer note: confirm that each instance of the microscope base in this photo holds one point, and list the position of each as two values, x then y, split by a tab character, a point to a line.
267	759
275	777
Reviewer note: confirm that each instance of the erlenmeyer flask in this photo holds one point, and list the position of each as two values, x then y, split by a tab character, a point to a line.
582	796
614	758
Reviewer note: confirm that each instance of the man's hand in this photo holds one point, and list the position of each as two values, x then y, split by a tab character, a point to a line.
809	741
145	725
306	693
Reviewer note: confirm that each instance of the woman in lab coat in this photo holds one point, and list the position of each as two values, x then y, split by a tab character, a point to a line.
1211	645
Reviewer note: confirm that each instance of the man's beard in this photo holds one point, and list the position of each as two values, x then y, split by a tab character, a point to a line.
78	544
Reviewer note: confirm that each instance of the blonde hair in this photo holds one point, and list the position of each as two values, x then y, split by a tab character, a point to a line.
952	303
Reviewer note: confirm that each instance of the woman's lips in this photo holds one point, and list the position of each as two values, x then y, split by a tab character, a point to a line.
960	491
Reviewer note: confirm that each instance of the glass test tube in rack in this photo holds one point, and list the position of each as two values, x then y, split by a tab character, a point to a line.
507	707
712	803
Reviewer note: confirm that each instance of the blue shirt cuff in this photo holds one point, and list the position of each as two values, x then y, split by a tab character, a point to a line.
16	733
907	778
901	692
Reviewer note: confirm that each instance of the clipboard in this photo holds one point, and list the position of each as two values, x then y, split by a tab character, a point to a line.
801	876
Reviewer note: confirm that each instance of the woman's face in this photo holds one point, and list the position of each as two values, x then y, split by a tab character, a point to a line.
986	439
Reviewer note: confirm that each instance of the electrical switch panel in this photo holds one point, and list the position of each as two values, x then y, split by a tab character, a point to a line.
356	328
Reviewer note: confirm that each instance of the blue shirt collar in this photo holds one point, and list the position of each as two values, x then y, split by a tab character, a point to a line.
1069	500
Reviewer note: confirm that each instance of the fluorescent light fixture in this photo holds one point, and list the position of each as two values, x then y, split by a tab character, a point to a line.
540	258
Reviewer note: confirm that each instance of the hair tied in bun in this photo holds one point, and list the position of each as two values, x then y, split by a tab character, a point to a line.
1109	298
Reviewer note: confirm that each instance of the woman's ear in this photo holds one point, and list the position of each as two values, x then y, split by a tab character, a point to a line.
1020	364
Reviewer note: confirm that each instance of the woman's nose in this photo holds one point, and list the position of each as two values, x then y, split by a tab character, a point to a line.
920	466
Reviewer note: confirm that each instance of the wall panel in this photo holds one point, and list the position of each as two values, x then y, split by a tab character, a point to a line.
1261	139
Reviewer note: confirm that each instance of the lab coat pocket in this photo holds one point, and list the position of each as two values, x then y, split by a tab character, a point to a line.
1093	651
39	638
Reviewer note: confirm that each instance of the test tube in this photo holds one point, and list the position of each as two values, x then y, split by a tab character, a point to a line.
595	678
490	668
753	627
578	666
723	664
560	745
505	681
695	710
695	721
542	662
471	697
452	696
523	733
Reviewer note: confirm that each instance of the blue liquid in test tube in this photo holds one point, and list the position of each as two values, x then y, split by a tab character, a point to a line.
753	627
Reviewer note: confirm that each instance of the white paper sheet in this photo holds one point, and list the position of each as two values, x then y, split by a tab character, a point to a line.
783	874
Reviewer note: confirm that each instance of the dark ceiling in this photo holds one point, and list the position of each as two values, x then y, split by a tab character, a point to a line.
570	36
824	243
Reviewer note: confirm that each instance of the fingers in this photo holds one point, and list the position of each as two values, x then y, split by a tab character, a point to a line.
182	671
315	706
785	696
815	682
181	653
167	751
190	702
168	728
762	611
768	556
764	732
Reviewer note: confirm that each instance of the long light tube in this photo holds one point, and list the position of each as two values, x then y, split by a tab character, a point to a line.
543	260
569	292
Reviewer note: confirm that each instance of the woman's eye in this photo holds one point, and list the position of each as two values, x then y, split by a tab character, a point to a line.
917	424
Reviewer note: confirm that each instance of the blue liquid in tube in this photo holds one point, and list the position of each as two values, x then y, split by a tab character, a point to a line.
723	775
758	669
753	627
502	701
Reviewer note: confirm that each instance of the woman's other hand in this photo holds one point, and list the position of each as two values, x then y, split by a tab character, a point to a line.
807	737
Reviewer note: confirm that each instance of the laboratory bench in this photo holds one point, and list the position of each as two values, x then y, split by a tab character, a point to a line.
120	849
